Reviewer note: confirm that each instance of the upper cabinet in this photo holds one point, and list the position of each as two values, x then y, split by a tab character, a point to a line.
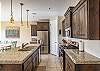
63	28
79	21
33	30
68	21
85	20
42	26
68	17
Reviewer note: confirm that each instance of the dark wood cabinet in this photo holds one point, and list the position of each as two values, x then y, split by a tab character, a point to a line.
28	64
85	20
32	63
68	20
63	28
68	17
35	60
69	65
29	67
42	26
79	25
33	30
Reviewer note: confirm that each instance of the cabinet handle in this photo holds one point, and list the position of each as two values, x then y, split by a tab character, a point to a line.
55	42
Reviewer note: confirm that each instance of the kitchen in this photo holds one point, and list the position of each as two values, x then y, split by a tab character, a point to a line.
77	27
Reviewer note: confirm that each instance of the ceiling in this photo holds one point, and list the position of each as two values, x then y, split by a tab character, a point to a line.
41	7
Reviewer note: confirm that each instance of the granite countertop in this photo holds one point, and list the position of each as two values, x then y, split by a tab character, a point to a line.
13	56
81	57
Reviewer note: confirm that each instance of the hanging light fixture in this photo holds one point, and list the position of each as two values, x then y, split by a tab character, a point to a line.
21	14
33	18
11	18
34	14
27	18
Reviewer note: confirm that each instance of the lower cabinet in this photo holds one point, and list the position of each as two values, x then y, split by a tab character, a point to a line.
29	67
32	63
69	65
35	60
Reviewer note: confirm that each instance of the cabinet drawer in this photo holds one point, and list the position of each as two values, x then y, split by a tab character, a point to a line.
27	62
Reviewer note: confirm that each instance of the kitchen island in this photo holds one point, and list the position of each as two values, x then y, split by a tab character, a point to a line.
80	61
20	60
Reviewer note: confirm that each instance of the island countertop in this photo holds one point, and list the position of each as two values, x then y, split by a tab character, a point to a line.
13	56
81	57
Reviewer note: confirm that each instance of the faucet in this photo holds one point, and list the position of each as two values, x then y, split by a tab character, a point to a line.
23	45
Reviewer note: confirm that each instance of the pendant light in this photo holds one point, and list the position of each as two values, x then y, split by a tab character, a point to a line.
11	18
34	17
27	18
21	14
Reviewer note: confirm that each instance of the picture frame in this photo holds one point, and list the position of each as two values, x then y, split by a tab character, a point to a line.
12	32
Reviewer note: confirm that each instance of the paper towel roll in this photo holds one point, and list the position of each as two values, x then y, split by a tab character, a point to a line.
81	46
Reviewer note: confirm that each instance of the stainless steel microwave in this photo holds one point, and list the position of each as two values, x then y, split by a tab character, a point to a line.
68	32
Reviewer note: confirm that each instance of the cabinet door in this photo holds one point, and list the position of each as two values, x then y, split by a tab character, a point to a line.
29	67
67	21
79	22
63	29
34	64
35	60
33	30
26	64
66	62
83	21
42	26
69	65
75	25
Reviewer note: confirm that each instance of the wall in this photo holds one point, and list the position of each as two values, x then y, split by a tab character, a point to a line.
91	46
54	35
60	19
0	20
25	33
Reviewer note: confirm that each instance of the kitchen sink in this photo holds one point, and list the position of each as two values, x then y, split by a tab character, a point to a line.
24	49
28	48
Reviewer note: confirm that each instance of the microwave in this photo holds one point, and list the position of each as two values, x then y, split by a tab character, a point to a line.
68	32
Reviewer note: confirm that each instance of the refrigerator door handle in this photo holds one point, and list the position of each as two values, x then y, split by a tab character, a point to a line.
55	42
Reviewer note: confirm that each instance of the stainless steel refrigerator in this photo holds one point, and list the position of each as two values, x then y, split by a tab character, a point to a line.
43	36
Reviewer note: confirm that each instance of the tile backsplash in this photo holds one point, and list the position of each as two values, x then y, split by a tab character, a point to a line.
90	46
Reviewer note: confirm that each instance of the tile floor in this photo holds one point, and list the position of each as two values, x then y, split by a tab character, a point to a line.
49	63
